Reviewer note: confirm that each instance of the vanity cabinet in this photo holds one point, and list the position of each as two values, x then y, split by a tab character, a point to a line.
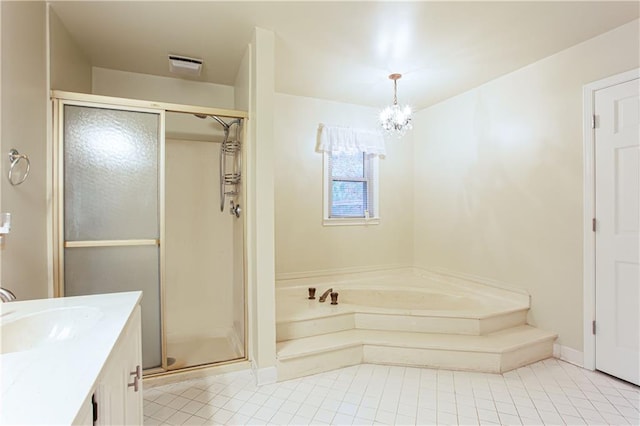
117	396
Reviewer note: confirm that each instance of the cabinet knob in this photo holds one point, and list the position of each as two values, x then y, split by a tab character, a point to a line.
136	372
136	379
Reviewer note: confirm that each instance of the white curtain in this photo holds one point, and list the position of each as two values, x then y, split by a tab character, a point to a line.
349	140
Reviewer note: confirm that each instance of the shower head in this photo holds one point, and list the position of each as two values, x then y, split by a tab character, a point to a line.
225	125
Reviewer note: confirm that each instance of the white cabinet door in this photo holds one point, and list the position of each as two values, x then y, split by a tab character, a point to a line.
132	351
110	392
119	398
617	169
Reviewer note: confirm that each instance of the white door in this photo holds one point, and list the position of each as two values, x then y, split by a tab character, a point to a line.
617	183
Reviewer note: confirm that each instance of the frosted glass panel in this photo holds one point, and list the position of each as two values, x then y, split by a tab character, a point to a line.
96	270
111	174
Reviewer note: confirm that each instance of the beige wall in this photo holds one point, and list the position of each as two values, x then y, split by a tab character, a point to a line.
260	151
303	244
24	127
70	69
125	84
498	179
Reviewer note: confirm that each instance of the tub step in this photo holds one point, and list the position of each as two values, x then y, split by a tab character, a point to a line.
469	325
494	353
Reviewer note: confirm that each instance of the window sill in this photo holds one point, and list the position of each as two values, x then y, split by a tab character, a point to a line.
357	221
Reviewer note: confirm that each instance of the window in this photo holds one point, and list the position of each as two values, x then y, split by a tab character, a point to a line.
351	188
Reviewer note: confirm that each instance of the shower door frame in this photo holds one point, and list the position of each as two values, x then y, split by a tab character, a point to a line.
62	98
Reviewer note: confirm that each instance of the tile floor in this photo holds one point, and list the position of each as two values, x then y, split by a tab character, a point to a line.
548	392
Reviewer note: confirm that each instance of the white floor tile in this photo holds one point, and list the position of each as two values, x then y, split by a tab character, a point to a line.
506	408
178	402
238	419
281	418
324	416
219	401
447	418
488	415
572	420
178	418
233	405
508	419
548	392
405	420
426	416
206	411
192	407
307	410
265	414
342	419
467	411
366	413
195	421
249	409
386	417
358	421
468	421
274	402
290	407
164	413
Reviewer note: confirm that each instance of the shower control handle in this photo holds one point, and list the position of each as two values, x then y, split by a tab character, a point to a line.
136	379
235	209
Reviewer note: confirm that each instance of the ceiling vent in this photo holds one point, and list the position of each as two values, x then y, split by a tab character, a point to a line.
185	65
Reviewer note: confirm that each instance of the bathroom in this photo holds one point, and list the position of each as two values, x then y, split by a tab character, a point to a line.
489	167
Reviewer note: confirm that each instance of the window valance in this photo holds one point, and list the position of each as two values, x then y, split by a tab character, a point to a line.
350	140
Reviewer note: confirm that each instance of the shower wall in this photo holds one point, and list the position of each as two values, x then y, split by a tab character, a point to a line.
199	244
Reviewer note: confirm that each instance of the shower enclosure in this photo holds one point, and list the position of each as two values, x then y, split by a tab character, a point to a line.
149	196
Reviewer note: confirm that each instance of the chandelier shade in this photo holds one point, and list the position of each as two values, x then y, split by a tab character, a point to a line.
396	119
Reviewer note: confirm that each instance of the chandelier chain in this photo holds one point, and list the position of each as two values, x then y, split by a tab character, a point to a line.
395	92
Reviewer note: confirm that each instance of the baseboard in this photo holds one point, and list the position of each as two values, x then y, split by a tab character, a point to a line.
264	376
568	354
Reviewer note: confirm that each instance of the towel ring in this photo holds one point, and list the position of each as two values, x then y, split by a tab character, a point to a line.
14	158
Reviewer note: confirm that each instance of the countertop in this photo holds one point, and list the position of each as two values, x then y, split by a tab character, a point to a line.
48	384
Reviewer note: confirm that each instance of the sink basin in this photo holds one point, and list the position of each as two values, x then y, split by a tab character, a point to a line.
47	327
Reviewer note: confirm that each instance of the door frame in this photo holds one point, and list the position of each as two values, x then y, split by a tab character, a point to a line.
589	206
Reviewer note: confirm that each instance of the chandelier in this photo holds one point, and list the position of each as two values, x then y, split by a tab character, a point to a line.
396	119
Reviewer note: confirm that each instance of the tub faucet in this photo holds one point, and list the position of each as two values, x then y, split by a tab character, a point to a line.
324	295
6	295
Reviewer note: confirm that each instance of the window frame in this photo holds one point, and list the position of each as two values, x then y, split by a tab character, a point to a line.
371	166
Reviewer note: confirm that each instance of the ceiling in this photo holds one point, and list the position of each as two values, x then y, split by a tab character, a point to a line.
342	51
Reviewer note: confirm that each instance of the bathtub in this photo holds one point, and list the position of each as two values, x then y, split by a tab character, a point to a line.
404	293
404	318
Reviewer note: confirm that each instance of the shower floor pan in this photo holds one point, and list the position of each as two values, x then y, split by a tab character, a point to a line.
198	351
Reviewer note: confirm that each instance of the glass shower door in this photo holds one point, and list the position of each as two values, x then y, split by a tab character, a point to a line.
112	208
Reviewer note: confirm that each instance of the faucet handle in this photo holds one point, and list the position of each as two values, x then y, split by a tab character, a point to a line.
6	295
312	293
